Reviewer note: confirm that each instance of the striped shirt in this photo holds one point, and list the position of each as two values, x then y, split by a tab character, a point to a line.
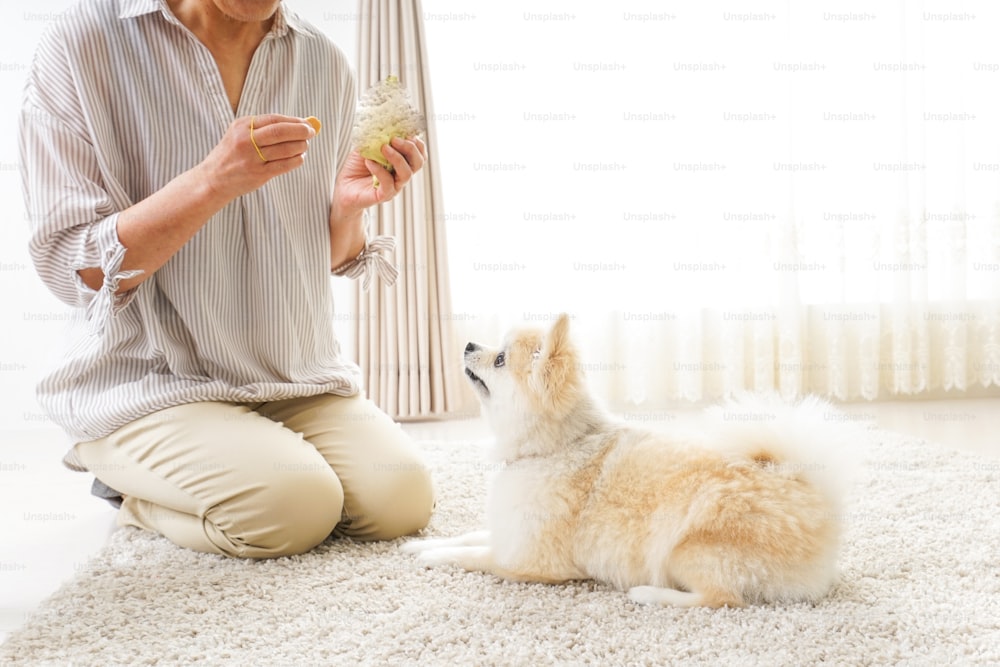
121	98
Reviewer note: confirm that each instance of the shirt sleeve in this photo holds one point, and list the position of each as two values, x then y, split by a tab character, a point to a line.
73	219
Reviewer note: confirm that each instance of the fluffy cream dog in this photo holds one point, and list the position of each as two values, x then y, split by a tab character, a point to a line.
743	510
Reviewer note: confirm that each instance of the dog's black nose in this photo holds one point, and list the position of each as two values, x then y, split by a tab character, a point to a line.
471	347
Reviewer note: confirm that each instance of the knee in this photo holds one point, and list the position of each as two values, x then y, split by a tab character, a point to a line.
401	503
415	504
288	515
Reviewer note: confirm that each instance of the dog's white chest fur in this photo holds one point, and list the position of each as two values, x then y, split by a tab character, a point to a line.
531	504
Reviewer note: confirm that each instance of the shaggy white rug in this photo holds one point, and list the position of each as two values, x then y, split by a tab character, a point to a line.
920	586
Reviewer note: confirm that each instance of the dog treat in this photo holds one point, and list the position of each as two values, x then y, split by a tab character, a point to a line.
385	112
314	121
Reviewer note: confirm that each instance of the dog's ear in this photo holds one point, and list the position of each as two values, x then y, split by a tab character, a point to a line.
557	346
557	374
559	334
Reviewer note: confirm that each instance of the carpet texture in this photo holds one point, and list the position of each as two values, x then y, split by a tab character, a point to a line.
920	586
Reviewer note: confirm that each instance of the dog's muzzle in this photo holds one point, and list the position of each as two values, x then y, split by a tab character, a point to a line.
477	381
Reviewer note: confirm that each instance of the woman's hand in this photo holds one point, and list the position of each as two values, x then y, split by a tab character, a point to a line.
155	228
355	190
236	166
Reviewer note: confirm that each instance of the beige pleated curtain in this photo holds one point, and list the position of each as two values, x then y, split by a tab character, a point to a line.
404	338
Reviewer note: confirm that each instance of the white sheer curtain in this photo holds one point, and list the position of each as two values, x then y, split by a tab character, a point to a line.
404	345
804	198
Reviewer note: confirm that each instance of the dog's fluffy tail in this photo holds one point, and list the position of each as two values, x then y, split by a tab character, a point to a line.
809	440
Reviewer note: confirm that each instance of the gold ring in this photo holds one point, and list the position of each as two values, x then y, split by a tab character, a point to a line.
254	141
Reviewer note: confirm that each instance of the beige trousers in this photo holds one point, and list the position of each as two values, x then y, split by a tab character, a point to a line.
265	479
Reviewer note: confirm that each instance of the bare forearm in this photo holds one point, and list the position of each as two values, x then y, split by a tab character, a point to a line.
154	229
347	238
354	191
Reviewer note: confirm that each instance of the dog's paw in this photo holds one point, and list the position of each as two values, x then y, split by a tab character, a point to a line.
645	594
420	546
479	538
436	557
432	553
663	596
415	546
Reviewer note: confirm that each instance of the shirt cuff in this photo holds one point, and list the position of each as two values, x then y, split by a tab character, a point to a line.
107	301
370	261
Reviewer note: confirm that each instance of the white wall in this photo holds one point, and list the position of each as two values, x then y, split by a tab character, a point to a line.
30	315
527	92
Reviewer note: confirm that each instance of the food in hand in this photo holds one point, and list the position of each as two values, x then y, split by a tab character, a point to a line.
385	112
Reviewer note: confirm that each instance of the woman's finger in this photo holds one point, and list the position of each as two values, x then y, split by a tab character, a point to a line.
279	132
383	180
279	140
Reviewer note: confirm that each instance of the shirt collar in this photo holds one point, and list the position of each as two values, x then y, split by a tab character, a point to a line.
132	8
283	19
292	20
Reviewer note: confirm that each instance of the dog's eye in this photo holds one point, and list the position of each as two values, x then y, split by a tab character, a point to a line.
500	360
